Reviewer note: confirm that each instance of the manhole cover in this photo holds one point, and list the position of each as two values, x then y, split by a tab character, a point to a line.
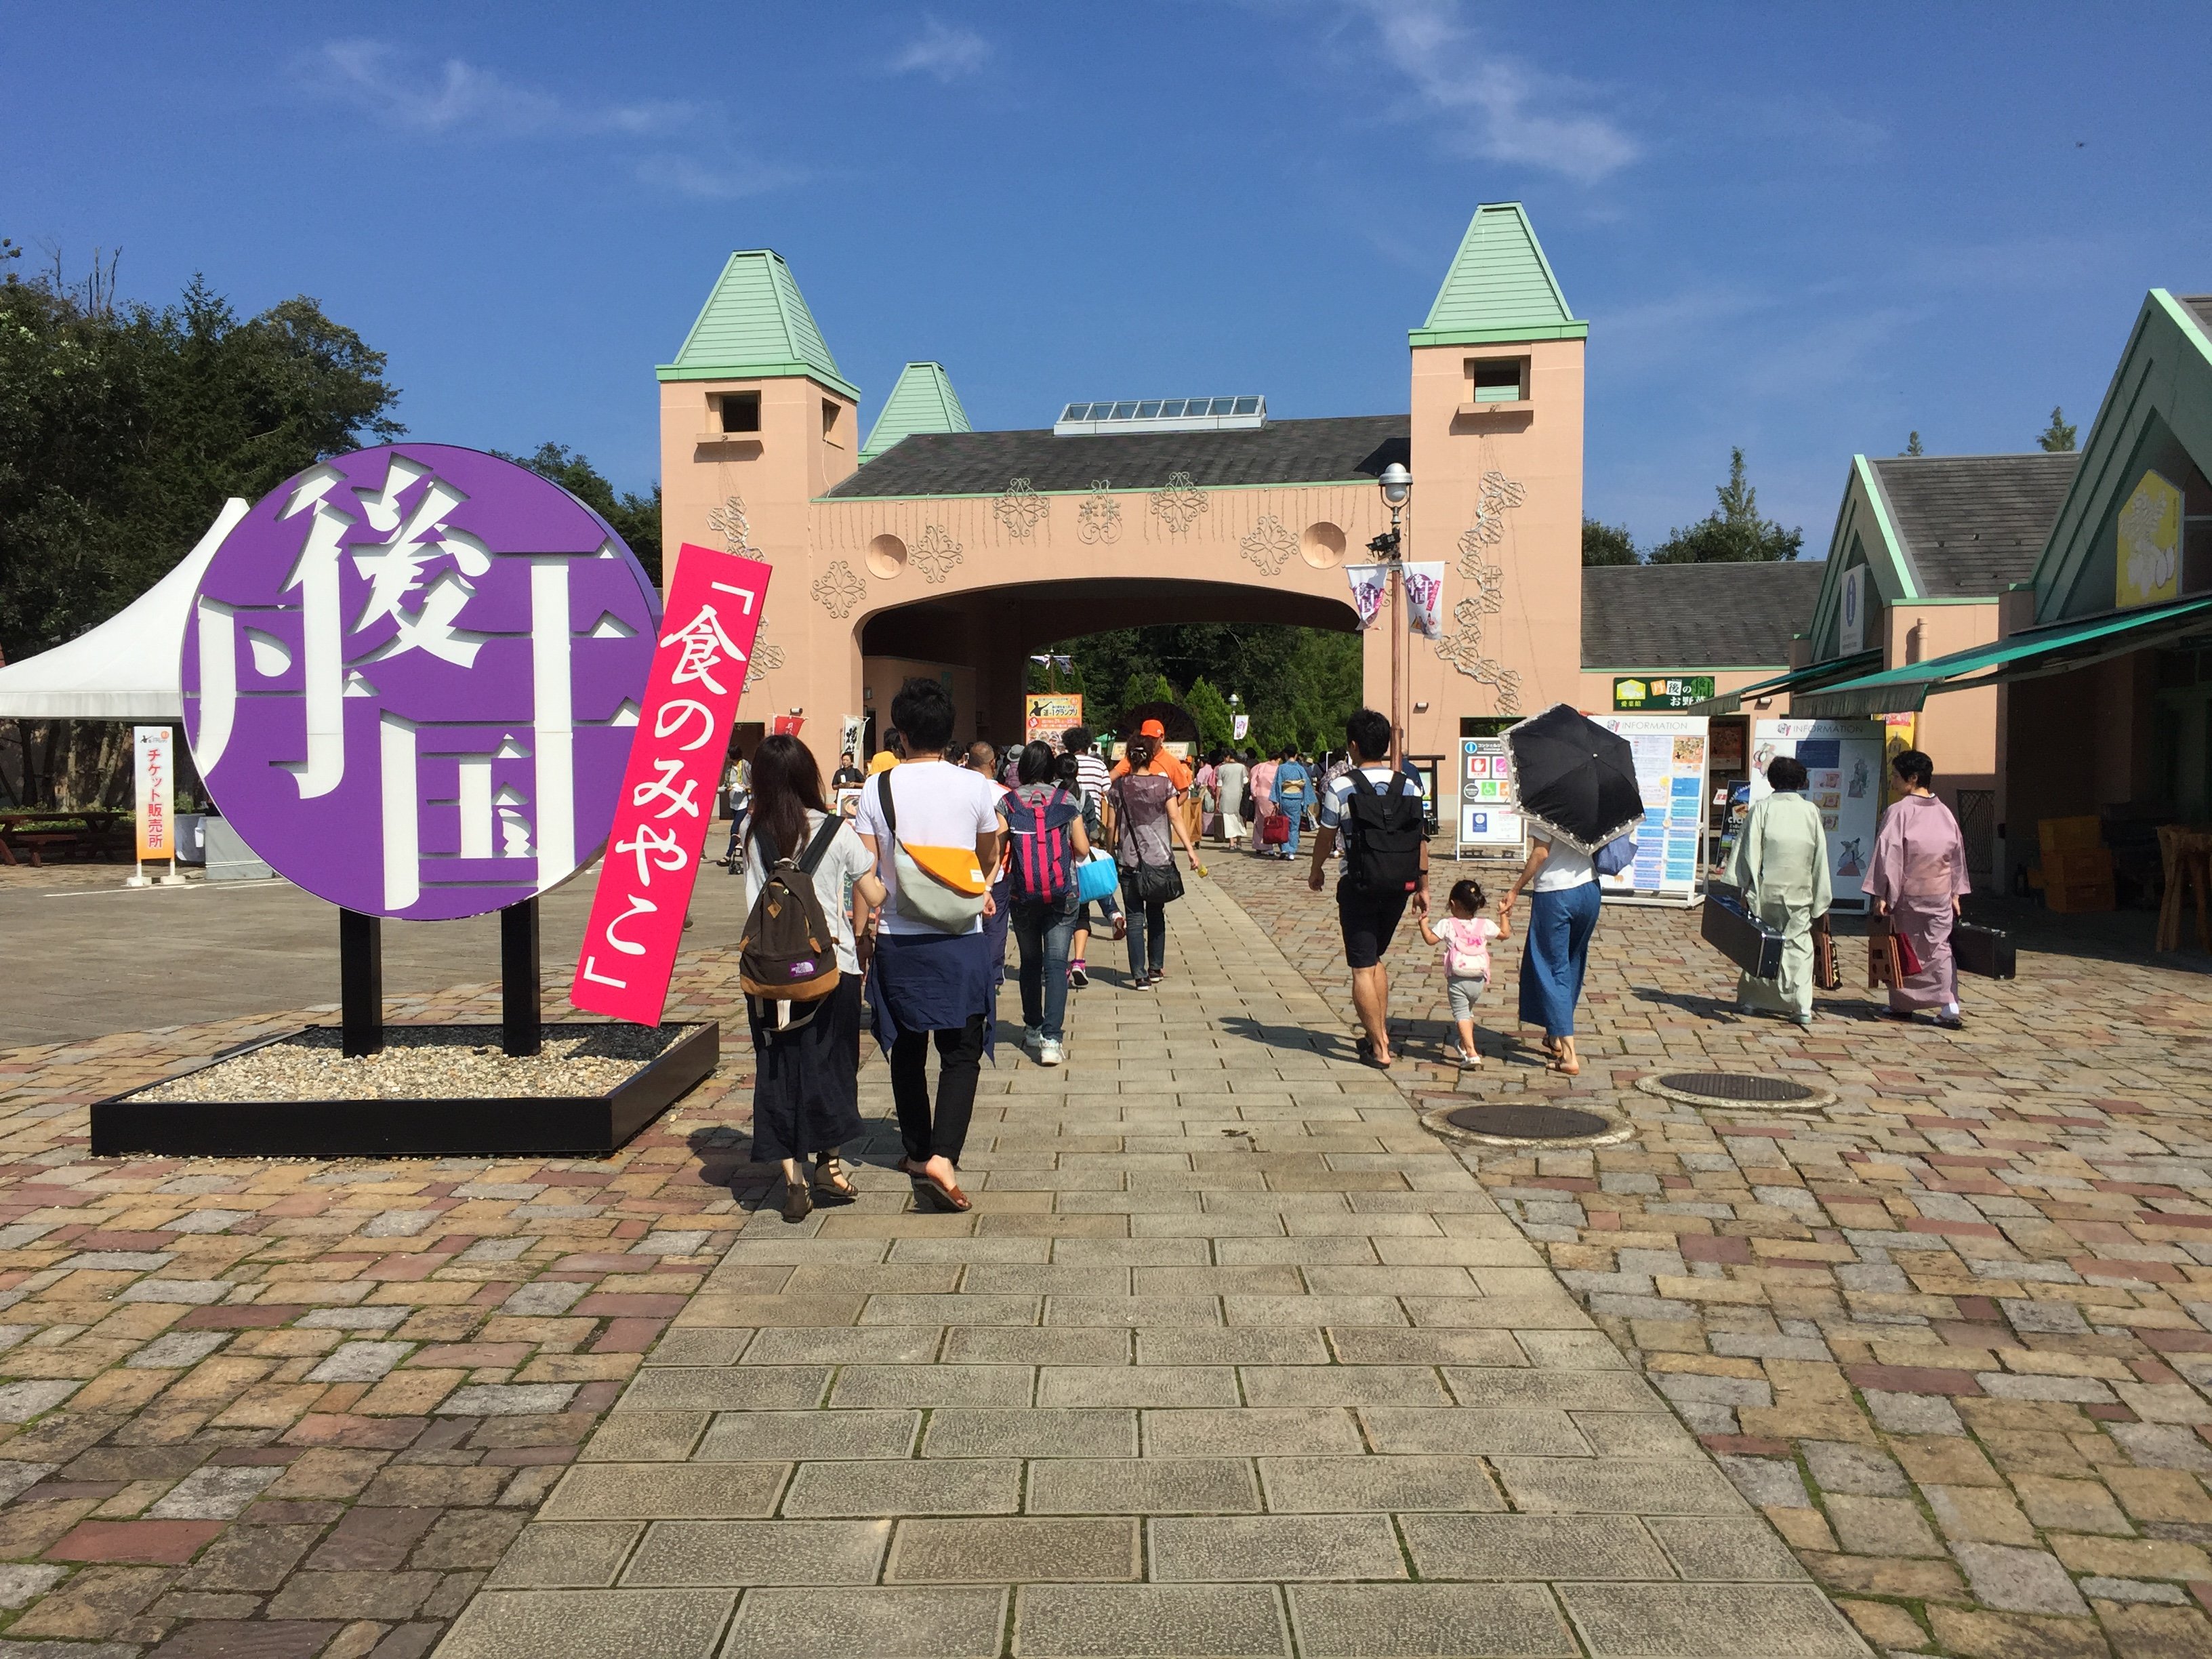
1730	1087
1528	1122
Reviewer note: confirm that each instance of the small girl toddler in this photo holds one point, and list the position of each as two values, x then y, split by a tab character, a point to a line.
1465	935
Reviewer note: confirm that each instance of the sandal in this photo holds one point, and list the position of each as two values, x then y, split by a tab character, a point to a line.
1565	1062
941	1195
797	1201
830	1178
1366	1048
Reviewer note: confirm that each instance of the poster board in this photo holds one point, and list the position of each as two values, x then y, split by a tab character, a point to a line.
1844	762
1488	825
1671	751
1046	714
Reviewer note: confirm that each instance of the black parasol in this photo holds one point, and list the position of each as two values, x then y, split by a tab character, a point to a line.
1574	777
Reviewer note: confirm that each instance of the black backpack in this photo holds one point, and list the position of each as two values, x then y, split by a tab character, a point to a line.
788	951
1386	832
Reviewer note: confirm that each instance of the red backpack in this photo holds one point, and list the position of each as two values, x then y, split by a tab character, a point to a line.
1044	866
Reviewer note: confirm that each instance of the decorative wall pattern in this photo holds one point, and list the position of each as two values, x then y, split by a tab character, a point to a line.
1099	518
1463	649
1270	544
767	658
1020	509
729	519
935	553
1499	495
838	589
1178	504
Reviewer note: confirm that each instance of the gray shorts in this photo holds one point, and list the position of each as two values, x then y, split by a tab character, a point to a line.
1464	994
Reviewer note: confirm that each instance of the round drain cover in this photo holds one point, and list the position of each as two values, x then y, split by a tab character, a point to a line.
1728	1088
1528	1122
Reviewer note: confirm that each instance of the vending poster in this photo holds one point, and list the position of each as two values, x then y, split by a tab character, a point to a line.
1487	820
1842	762
1671	754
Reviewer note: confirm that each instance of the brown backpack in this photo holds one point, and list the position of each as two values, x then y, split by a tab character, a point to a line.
788	951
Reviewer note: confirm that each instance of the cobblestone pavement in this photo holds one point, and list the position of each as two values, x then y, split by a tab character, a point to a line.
319	1397
1949	1333
1231	1355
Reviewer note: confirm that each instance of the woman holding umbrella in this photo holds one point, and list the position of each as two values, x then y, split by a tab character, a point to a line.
1575	784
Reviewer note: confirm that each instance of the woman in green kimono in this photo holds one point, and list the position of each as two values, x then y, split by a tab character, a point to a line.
1781	865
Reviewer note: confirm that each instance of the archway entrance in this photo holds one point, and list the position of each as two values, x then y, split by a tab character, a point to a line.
979	642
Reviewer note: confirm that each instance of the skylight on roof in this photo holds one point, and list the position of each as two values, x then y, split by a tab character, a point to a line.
1161	415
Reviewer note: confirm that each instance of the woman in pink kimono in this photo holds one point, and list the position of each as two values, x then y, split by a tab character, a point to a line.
1263	802
1916	877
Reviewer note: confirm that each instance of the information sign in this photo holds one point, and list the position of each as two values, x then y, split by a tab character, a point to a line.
1046	714
1843	762
1650	693
1671	752
1487	820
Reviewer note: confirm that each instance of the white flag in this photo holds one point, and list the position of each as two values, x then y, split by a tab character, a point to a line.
1425	599
1369	582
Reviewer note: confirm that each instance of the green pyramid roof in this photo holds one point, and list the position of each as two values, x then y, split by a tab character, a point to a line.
1499	287
922	401
754	325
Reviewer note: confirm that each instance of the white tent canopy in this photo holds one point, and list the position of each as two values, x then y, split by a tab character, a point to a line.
126	669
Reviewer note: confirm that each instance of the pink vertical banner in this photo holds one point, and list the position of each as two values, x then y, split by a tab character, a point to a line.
667	800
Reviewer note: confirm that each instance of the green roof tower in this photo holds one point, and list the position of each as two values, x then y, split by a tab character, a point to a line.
755	325
1499	287
922	401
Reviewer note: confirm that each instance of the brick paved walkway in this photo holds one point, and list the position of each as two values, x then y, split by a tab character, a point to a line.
1230	1354
1944	1332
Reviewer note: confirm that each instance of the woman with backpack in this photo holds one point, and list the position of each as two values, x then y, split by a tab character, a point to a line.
1145	830
1045	837
806	1096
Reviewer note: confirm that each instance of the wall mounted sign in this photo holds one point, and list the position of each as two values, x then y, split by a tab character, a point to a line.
667	790
410	678
2147	569
1654	693
1850	618
1046	714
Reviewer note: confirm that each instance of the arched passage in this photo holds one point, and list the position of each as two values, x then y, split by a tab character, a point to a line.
988	632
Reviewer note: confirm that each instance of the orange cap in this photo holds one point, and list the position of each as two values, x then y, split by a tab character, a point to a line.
1152	729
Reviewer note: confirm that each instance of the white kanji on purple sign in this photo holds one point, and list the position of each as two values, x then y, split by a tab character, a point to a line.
411	677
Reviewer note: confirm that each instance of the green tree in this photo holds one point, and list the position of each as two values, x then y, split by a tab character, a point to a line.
635	518
1734	532
122	429
1912	444
1209	709
2058	438
1607	543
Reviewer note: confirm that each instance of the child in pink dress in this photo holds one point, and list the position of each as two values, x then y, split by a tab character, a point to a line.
1465	935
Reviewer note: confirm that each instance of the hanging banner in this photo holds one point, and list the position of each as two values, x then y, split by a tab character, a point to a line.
153	750
1425	599
1046	714
699	666
1240	727
1369	583
1671	756
1843	762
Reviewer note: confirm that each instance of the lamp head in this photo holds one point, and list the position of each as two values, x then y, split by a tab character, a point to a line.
1397	484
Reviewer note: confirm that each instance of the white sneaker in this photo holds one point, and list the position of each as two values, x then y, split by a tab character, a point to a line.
1047	1052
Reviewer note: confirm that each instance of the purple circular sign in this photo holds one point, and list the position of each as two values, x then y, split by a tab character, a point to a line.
411	675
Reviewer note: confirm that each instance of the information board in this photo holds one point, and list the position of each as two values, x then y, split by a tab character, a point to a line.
1487	821
1670	773
1843	762
1046	714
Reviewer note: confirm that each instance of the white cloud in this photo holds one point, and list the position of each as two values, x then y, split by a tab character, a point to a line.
454	97
1491	105
943	52
683	176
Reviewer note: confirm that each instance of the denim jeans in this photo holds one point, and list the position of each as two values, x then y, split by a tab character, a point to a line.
1042	933
1148	938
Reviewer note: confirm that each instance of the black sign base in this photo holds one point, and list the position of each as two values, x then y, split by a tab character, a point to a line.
543	1126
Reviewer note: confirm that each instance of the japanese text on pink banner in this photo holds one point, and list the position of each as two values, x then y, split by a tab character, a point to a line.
668	789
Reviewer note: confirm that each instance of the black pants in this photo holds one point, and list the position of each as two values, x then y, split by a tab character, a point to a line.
1148	938
959	1064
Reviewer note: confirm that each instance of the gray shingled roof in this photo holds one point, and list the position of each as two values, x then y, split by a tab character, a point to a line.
1974	525
1696	615
1282	452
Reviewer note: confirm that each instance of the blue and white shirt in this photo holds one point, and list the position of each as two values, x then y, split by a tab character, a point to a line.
1338	791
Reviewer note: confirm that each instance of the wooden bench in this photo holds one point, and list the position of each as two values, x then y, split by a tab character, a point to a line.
38	842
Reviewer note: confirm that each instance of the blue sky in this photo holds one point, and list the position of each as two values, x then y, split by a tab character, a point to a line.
1805	232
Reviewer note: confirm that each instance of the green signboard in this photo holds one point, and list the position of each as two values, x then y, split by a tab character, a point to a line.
1653	693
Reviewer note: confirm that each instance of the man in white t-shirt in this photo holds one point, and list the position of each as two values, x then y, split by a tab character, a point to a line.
1369	916
929	985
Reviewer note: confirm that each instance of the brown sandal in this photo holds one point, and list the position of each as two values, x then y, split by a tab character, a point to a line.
944	1195
830	1178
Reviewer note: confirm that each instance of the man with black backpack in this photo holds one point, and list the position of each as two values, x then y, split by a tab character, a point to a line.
1377	810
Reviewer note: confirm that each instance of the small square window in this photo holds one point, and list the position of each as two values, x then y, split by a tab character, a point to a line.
740	411
1498	379
829	422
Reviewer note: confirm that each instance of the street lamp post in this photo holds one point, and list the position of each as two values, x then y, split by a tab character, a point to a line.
1397	485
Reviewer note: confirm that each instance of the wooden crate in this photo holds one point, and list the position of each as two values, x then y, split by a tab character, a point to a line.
2091	866
2079	901
2069	835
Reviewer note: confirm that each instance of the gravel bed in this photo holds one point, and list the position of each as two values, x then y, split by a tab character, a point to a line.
427	1062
